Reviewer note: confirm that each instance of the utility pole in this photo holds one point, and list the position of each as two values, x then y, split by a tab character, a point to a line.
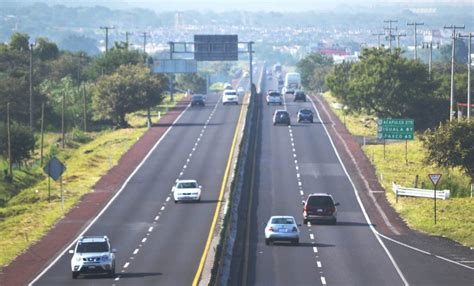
415	24
469	62
144	35
126	37
378	38
451	100
9	145
429	45
399	35
107	37
390	31
31	86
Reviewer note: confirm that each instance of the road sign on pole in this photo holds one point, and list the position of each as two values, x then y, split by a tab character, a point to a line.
55	168
395	128
435	180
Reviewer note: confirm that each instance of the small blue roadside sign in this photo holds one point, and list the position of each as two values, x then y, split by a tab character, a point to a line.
54	168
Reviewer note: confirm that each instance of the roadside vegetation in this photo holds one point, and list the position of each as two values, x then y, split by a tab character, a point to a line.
388	85
104	101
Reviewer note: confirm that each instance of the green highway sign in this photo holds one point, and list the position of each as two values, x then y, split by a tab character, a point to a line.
395	129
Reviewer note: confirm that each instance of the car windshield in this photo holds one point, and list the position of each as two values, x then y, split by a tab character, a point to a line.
282	220
187	185
86	247
306	111
320	201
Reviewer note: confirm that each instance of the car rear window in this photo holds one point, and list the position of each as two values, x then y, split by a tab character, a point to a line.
230	93
274	94
197	97
306	111
320	201
282	220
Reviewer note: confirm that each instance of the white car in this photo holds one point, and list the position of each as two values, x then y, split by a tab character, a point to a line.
186	190
274	97
230	96
282	228
92	254
240	91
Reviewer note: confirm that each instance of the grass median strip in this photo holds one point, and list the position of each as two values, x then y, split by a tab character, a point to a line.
455	215
28	216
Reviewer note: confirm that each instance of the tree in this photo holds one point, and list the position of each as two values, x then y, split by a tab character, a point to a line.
19	42
129	89
338	82
313	69
460	52
22	142
389	85
451	145
46	50
192	81
116	57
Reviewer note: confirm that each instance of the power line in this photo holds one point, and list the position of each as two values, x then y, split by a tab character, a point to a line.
399	35
390	31
378	38
415	24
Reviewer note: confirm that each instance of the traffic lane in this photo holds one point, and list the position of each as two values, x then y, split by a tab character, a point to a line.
278	195
423	269
352	238
131	214
174	252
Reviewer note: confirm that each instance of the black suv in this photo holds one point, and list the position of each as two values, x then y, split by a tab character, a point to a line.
305	114
299	95
320	207
281	116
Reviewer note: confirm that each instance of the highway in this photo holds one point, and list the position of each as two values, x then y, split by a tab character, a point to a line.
294	162
159	242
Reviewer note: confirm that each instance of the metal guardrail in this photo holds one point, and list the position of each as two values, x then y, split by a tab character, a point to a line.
422	193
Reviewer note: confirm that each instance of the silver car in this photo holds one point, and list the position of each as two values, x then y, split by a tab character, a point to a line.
282	228
92	254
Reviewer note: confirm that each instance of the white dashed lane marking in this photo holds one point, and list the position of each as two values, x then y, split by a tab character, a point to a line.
162	208
150	229
323	280
126	265
311	236
315	249
143	240
167	199
136	251
319	264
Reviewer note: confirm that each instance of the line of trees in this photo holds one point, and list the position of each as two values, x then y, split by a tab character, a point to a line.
386	84
97	90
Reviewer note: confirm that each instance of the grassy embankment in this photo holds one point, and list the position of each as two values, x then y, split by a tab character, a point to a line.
455	216
28	216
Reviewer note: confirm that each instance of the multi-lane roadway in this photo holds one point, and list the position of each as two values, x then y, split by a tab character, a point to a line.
159	242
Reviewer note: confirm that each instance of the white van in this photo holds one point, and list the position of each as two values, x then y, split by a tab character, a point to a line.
292	81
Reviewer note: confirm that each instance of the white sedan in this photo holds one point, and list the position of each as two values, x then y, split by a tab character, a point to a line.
186	190
282	228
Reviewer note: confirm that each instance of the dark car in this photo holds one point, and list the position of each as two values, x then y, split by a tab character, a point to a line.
320	207
299	95
305	115
281	117
197	99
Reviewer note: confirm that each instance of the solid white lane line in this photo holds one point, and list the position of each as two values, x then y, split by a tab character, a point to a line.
136	251
311	236
157	217
143	240
323	280
315	249
319	264
150	229
126	265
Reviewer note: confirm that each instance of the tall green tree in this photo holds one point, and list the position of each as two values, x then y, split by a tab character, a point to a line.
108	63
22	142
45	49
19	42
452	145
192	81
313	69
129	89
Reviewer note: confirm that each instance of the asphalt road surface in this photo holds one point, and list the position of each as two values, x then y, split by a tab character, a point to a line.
294	162
159	242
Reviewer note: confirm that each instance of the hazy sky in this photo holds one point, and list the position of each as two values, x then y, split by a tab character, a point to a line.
249	5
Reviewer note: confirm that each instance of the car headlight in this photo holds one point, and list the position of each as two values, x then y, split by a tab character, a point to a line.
105	258
78	258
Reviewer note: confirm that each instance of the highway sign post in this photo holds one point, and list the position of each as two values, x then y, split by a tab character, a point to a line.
435	180
55	169
396	129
